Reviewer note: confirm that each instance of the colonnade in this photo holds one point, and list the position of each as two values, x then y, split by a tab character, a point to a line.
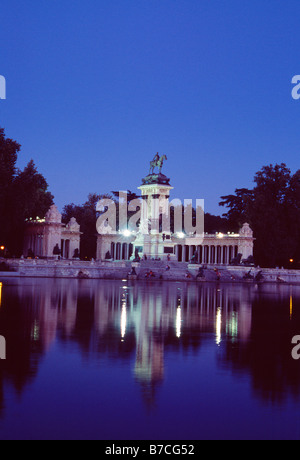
35	242
121	251
208	254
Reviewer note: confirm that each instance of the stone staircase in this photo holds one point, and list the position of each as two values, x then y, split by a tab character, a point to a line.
178	271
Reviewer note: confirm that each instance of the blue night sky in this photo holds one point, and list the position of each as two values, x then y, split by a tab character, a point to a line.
96	87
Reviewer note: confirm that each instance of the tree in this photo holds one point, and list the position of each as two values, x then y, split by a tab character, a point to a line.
239	207
8	157
31	192
86	216
30	200
272	208
213	224
23	195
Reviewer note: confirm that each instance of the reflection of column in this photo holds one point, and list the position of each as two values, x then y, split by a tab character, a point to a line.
102	300
245	319
149	365
123	317
67	316
48	313
178	321
218	326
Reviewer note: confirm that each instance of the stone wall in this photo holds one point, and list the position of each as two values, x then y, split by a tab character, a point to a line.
171	271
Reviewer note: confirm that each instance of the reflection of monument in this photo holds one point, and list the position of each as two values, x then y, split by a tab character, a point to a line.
149	364
114	317
143	326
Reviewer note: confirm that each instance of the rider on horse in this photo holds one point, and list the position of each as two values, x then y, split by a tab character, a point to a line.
157	162
156	158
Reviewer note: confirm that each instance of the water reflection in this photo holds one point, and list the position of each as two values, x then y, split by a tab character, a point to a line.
250	328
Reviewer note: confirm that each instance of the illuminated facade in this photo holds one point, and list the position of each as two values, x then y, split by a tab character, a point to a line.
152	239
163	244
43	235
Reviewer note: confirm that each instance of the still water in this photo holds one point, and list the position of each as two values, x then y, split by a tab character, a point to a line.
114	360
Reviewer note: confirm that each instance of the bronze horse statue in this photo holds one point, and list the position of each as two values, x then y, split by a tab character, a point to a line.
157	163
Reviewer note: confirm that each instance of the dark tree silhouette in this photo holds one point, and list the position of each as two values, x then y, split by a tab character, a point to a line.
23	195
272	208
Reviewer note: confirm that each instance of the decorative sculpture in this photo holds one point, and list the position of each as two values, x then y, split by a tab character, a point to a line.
157	162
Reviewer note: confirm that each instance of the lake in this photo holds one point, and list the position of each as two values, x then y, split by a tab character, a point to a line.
126	360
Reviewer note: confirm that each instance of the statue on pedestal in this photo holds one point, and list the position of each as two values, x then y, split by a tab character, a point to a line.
158	177
157	162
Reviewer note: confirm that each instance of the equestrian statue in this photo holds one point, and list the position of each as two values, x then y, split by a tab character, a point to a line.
157	162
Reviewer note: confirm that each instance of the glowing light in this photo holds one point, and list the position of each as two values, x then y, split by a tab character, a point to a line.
232	326
1	285
291	306
218	326
291	260
220	235
178	322
35	331
126	232
180	235
2	248
123	320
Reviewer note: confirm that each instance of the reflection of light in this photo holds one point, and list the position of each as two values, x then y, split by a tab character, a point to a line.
218	326
178	322
123	320
232	325
35	331
291	306
1	293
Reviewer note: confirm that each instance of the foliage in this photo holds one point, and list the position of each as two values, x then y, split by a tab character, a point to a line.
213	224
23	195
86	216
272	208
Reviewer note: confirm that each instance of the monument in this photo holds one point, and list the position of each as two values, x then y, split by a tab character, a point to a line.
150	240
153	240
42	236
